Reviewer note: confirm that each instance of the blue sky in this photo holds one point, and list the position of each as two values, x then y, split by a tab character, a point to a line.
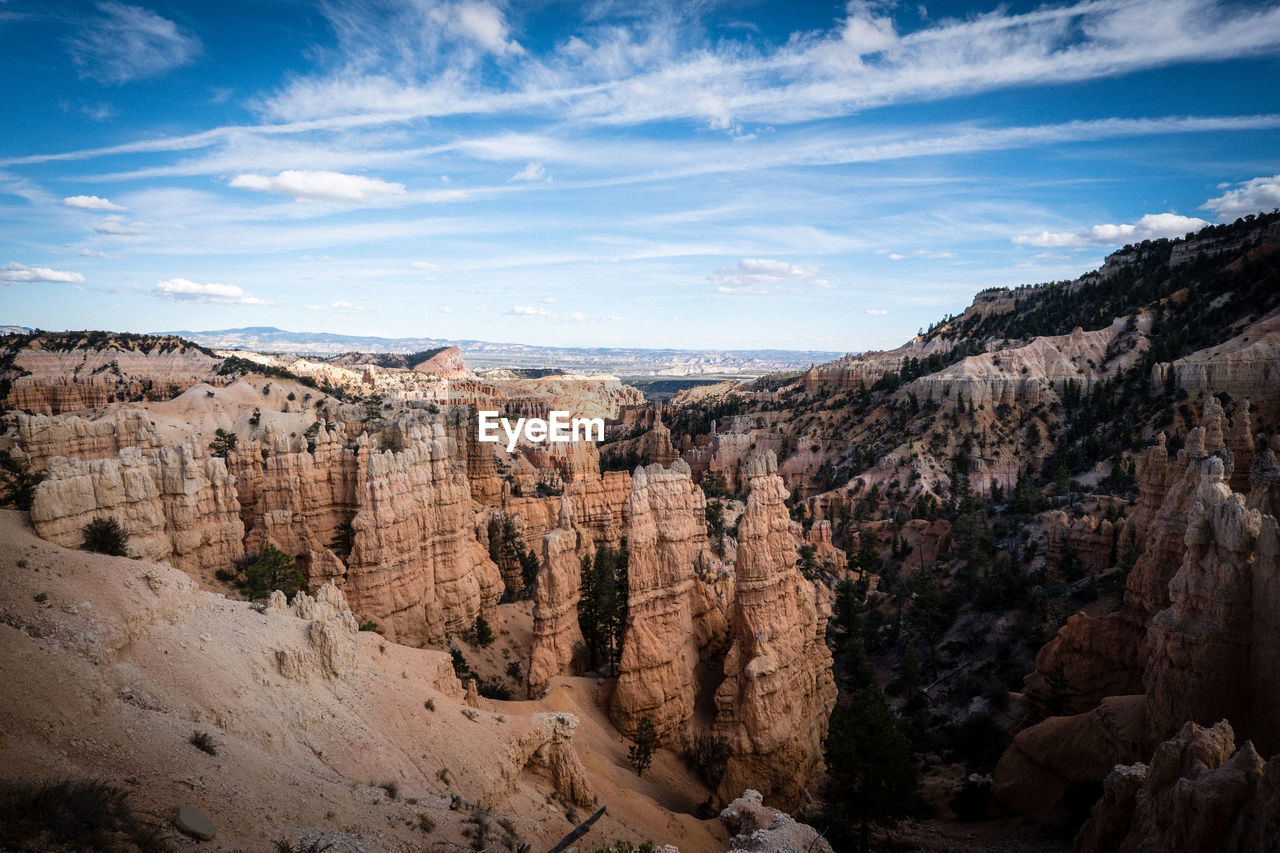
693	174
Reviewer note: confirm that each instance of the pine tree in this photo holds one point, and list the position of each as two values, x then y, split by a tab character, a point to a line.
274	569
872	777
645	744
223	443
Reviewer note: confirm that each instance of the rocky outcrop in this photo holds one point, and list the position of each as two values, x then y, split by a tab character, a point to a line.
1107	656
865	369
1199	793
778	691
1204	641
1046	759
760	829
67	372
1218	632
832	559
1090	540
297	497
328	645
416	565
673	617
725	453
44	437
176	504
1022	375
1247	365
547	747
448	363
555	600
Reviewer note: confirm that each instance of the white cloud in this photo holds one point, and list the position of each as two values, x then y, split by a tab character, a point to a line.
877	312
427	266
532	311
761	276
117	226
1050	239
184	290
1152	226
484	24
340	305
445	309
1260	195
15	273
549	300
320	186
533	172
129	43
90	202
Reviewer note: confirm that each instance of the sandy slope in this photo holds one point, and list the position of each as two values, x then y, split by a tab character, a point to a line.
108	675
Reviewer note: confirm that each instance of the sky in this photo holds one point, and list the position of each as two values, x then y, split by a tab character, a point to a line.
697	174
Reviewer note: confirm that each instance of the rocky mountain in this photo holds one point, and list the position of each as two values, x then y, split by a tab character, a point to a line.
1019	571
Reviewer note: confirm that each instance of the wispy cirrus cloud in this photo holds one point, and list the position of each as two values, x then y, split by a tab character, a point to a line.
533	172
1152	226
654	68
16	273
117	226
125	43
185	290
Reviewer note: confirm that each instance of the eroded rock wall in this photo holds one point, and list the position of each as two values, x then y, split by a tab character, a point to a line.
416	566
778	690
555	600
176	504
673	617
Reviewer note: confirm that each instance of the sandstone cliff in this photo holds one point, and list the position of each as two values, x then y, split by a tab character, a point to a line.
416	566
778	691
1199	793
70	371
176	504
1195	640
44	437
673	617
1107	656
555	601
1023	375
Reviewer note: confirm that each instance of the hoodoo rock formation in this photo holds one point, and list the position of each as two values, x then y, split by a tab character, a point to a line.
1199	793
555	601
778	690
673	617
1195	640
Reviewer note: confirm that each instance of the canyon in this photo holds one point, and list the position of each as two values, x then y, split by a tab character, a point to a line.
1032	552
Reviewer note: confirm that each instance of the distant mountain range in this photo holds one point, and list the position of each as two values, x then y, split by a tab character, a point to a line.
487	354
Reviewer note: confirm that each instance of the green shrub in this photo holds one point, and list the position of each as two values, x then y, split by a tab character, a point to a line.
223	443
105	536
274	569
74	815
203	741
707	755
